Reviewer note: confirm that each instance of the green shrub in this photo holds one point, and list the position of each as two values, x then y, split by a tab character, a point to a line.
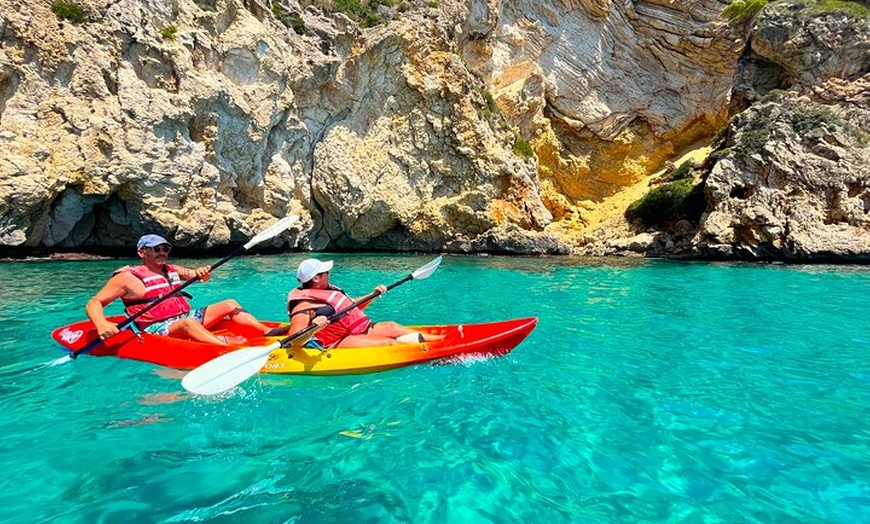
168	32
354	9
297	23
523	148
490	107
364	12
774	95
682	172
740	11
669	203
805	120
432	4
721	137
853	9
69	11
292	20
369	19
859	135
753	141
757	131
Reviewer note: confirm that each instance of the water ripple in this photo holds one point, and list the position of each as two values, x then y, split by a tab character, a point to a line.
649	392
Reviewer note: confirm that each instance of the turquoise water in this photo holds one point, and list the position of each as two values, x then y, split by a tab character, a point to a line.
650	392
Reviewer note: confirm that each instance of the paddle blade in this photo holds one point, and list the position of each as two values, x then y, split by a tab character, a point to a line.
272	231
428	269
227	371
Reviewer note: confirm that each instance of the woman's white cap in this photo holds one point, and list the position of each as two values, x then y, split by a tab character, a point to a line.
311	267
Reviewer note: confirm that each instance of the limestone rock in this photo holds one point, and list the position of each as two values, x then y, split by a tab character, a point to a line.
793	46
812	47
792	183
206	120
791	179
606	91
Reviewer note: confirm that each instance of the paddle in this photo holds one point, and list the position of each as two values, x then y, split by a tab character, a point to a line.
229	370
270	232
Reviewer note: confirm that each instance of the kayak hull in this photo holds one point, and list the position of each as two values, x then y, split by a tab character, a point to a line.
485	339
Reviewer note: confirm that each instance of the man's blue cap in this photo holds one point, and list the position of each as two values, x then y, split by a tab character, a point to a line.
151	241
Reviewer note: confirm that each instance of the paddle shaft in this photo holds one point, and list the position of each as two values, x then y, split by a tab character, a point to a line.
132	318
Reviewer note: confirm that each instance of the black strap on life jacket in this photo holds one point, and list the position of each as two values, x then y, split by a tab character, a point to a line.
325	310
138	301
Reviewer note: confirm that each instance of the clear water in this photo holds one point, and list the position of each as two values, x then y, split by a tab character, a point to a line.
650	392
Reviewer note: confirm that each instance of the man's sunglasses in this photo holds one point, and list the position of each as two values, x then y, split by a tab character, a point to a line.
163	248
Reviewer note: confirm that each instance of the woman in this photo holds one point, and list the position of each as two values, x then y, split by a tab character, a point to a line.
315	299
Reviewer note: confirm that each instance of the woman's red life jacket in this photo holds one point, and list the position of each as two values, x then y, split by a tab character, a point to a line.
354	323
156	286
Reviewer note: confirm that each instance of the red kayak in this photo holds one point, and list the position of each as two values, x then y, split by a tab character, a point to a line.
487	339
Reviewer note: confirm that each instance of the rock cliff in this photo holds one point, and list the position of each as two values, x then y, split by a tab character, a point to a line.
204	120
606	91
790	180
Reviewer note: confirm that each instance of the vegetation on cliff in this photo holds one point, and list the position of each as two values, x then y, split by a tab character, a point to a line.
679	198
367	13
741	11
289	18
854	9
69	11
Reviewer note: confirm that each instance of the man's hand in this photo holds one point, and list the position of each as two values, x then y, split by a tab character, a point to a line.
204	273
106	329
380	290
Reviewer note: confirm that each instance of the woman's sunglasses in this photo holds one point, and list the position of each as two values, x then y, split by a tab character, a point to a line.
161	248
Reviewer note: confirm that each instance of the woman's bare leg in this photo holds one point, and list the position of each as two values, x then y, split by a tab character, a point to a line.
394	330
192	329
230	308
364	341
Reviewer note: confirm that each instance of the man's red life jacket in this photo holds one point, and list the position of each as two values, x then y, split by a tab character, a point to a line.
156	286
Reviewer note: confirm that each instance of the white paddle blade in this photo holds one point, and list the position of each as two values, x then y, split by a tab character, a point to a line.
272	231
428	269
227	371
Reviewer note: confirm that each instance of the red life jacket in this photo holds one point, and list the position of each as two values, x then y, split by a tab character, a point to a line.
156	285
354	323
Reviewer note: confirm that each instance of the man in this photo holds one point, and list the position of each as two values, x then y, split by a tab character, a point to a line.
316	299
140	286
